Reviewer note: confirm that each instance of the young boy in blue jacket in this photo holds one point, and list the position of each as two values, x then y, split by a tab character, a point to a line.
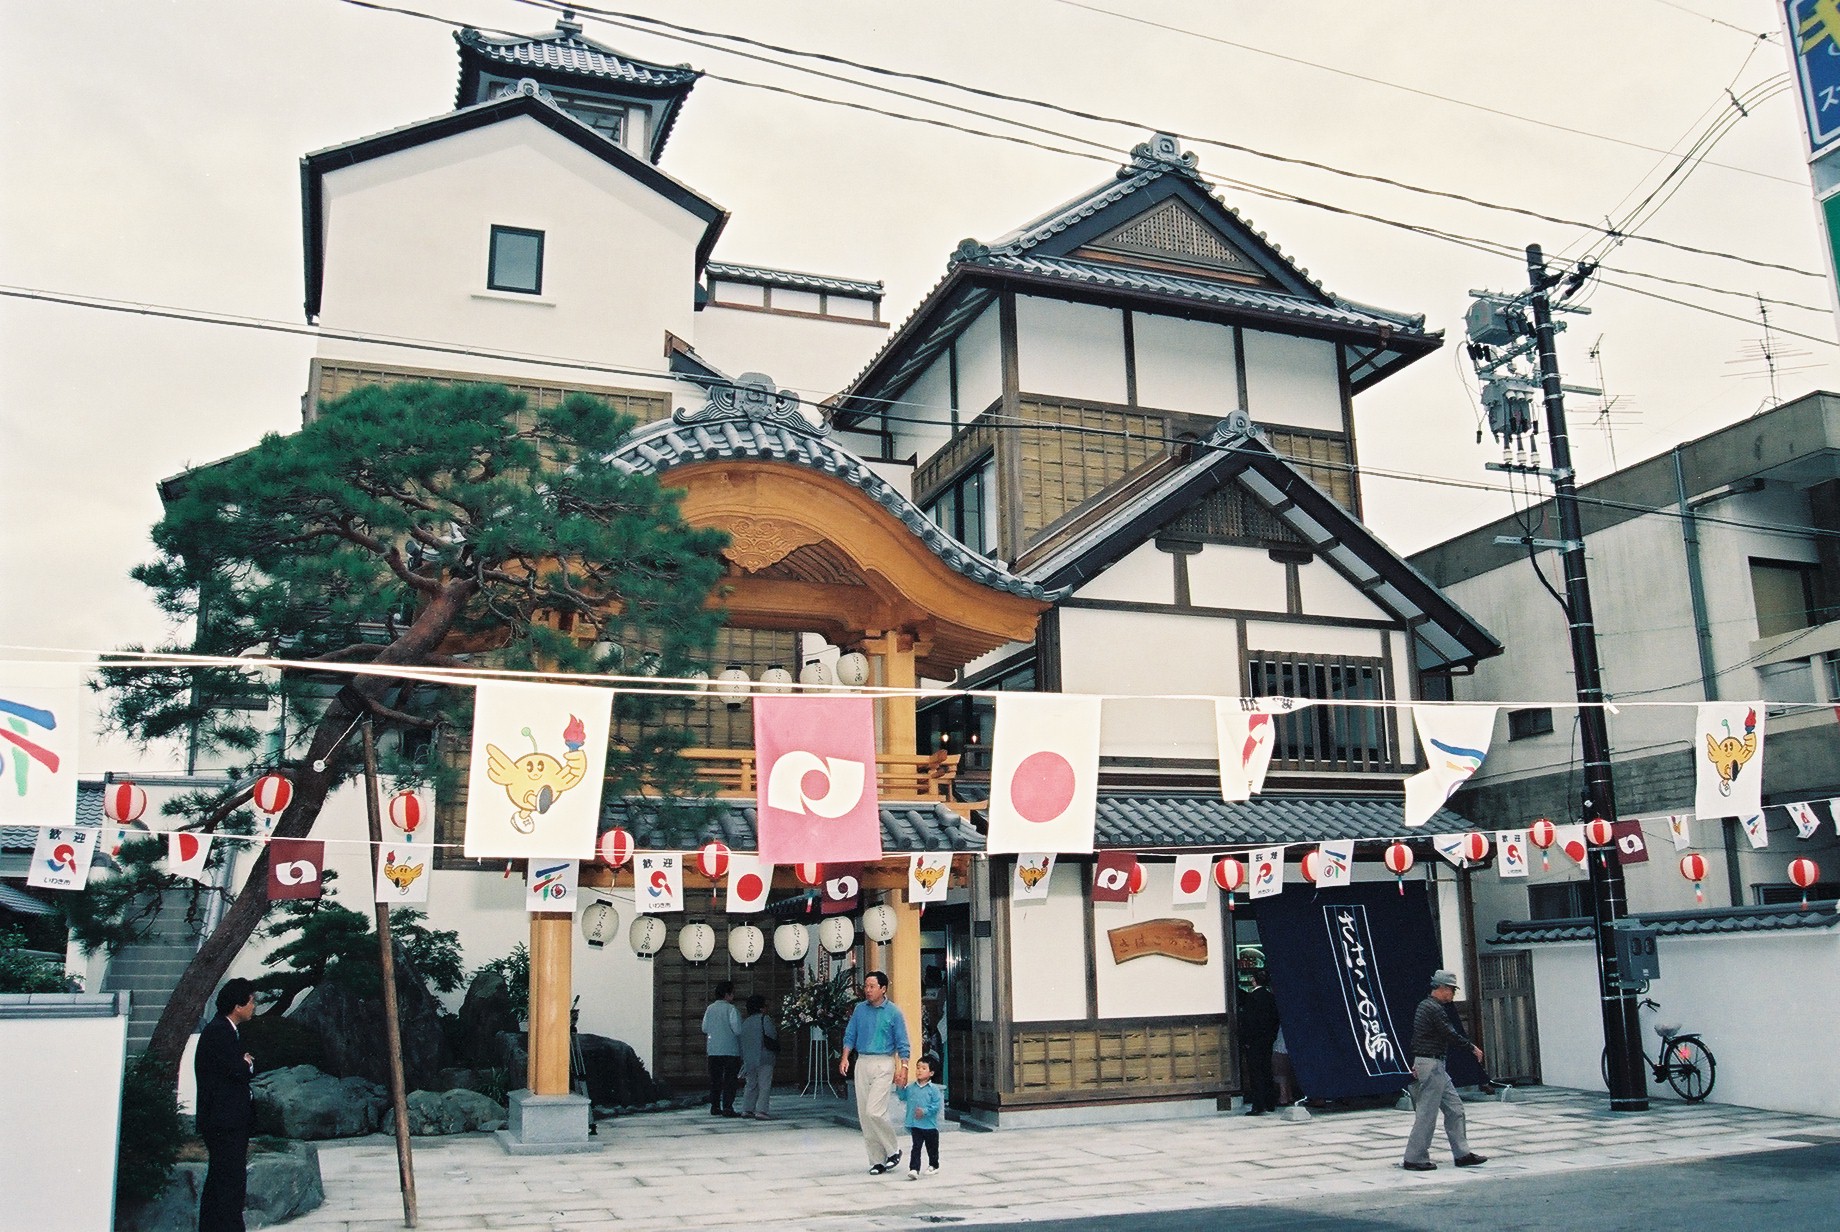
926	1103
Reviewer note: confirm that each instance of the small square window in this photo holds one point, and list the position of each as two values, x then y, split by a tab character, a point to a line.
1535	721
516	261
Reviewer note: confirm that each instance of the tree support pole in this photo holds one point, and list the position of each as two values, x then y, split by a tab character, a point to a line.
1628	1078
386	960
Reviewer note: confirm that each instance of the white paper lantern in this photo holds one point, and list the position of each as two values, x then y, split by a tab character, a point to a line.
746	944
599	922
815	672
853	669
879	923
696	942
836	934
646	935
732	685
792	942
776	679
698	678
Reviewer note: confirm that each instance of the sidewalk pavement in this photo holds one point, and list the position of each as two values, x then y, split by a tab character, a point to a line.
806	1169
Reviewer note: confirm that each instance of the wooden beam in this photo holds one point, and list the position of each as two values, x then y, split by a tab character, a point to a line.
552	947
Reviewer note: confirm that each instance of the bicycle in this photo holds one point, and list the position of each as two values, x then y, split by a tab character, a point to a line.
1683	1061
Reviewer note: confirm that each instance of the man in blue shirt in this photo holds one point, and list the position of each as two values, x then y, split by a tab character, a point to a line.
876	1040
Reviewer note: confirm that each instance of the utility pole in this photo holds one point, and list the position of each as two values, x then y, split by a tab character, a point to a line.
1498	321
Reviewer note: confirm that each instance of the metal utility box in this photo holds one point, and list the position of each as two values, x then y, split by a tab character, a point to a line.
1638	960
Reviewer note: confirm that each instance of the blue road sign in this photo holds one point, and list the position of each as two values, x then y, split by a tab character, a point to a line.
1814	38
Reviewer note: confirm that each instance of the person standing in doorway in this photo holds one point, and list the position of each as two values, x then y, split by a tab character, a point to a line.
722	1028
222	1070
759	1049
1258	1024
1433	1034
875	1044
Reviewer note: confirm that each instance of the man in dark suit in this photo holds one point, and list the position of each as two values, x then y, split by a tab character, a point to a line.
223	1070
1258	1027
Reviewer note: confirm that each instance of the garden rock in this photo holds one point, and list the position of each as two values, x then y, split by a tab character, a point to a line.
616	1075
484	1015
301	1102
350	1028
452	1112
284	1182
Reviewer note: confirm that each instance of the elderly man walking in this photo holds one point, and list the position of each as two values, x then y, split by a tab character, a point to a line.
877	1037
1433	1033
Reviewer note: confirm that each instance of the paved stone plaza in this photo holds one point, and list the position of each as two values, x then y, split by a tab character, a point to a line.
807	1170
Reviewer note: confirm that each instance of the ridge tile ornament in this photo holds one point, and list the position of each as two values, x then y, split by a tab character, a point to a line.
752	398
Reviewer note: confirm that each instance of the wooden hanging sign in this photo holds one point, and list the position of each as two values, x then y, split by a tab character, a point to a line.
1172	938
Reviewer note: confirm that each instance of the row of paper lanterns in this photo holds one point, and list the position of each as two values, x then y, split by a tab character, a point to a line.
733	683
747	943
124	802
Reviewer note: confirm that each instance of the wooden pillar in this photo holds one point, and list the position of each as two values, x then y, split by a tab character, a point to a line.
901	959
899	728
552	949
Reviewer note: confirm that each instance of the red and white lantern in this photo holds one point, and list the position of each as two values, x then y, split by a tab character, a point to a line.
712	859
123	802
1804	873
1139	879
1311	865
1599	833
1475	847
407	811
1543	834
273	793
615	848
1229	875
1399	862
809	874
1693	868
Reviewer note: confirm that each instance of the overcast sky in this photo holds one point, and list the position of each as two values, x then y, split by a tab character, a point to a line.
150	153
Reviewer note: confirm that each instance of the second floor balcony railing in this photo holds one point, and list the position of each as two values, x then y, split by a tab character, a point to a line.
899	776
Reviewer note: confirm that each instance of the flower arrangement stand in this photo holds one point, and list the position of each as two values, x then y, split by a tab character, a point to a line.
819	1057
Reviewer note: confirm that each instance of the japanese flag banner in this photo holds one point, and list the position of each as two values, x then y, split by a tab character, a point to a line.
402	873
1191	881
816	794
538	763
187	855
553	885
1112	876
296	868
1727	749
1246	728
750	879
658	882
929	876
1806	820
61	856
1570	840
1034	870
1455	740
1044	775
1511	853
1678	831
1335	862
39	705
1265	872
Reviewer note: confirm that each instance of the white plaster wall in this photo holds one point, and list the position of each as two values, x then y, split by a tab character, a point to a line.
1047	974
1145	575
61	1104
1716	987
1070	350
980	362
1327	593
1152	655
1292	381
1157	984
1314	639
1244	579
929	398
1184	365
814	359
407	239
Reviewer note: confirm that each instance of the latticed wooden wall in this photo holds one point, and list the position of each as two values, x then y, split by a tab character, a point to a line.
682	991
332	380
1069	452
1124	1058
1322	457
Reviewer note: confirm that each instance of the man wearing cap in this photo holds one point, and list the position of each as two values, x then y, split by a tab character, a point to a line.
1433	1033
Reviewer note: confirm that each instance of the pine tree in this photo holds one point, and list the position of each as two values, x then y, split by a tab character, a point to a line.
416	525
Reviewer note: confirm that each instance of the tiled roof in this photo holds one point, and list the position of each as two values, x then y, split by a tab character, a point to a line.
21	903
1144	822
1778	917
1196	290
683	826
777	431
565	50
792	279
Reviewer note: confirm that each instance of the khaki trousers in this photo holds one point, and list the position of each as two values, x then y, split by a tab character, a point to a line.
874	1077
